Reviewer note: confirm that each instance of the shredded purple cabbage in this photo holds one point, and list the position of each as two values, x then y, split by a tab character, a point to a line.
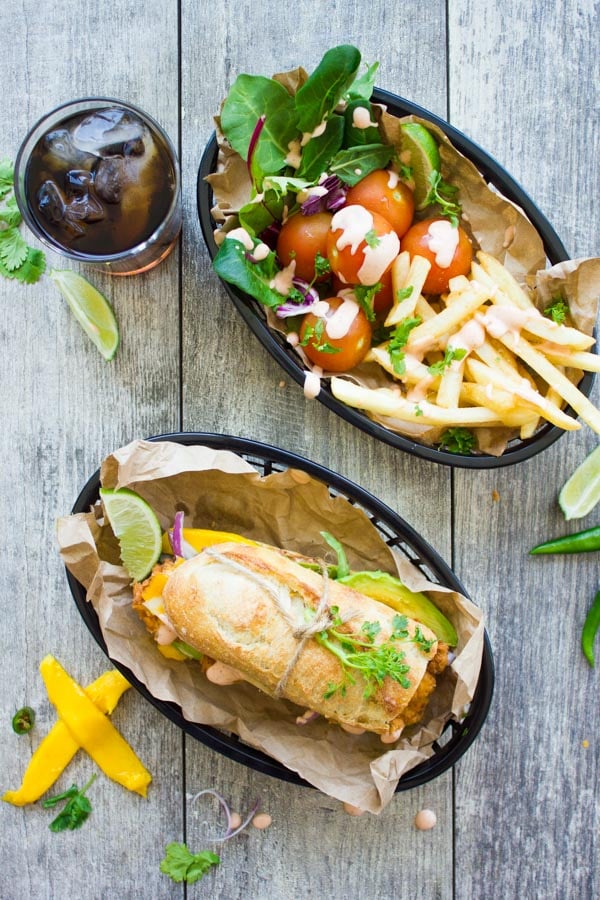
294	308
270	234
331	201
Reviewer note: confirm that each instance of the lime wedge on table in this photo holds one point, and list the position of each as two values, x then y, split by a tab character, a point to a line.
136	528
91	309
581	492
419	150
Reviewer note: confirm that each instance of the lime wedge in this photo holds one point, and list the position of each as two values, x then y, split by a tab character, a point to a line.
581	492
136	528
419	150
91	309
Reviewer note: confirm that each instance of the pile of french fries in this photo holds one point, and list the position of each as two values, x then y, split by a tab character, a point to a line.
511	367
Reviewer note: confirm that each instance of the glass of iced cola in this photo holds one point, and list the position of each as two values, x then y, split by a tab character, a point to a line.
97	180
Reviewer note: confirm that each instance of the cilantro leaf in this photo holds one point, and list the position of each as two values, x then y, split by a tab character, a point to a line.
181	865
10	215
6	177
13	248
457	440
398	340
32	269
372	239
443	195
75	812
450	355
557	310
365	297
322	266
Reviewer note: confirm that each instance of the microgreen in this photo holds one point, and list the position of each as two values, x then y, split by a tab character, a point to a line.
557	310
313	334
457	440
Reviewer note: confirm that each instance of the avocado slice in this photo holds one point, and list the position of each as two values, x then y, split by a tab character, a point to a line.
389	590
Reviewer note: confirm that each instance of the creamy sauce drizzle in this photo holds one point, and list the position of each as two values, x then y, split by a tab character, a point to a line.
312	383
261	251
282	283
443	241
470	337
308	135
355	223
499	320
339	323
241	235
294	157
361	118
220	673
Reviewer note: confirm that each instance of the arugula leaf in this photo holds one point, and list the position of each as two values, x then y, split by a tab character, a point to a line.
557	310
319	150
362	86
322	91
352	164
232	265
75	812
457	440
181	865
450	355
250	97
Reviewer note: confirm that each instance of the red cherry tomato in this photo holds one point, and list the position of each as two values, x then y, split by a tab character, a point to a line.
384	297
361	245
418	241
382	192
335	354
301	238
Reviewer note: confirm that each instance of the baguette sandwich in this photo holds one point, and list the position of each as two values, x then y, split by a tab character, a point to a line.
257	614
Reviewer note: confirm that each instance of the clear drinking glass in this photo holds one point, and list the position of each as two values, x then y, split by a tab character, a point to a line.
97	180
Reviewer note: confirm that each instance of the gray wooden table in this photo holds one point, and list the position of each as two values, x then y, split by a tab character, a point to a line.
518	816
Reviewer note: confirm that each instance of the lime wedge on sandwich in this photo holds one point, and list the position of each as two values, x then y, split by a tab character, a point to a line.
91	309
580	494
136	528
419	150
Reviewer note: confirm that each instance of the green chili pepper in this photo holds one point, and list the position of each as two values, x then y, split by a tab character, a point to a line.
23	720
590	628
580	542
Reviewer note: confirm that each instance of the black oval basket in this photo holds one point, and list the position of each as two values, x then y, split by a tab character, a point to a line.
457	736
254	314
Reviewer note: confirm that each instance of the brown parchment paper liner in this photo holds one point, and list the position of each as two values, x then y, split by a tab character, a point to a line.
496	225
218	489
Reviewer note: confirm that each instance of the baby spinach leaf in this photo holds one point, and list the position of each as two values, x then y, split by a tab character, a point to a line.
357	137
250	97
255	217
323	90
319	150
355	163
362	86
232	265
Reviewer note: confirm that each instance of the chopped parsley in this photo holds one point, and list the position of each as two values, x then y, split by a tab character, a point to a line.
404	293
313	334
457	440
365	297
372	239
322	266
450	355
557	310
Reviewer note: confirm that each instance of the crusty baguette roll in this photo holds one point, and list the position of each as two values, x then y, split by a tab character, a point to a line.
238	604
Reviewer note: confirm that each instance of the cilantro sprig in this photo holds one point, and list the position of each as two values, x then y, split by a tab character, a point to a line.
358	652
458	440
450	354
443	194
17	259
75	811
557	310
182	865
399	339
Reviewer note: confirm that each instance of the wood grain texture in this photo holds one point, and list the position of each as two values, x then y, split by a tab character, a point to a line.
526	87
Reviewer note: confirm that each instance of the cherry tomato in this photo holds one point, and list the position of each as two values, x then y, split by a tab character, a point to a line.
335	354
384	297
382	192
370	236
418	242
301	238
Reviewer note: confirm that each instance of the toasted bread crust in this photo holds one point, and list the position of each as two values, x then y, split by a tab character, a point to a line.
231	615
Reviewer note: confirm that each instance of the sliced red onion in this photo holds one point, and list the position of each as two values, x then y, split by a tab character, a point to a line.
179	545
270	234
229	832
332	200
253	142
292	308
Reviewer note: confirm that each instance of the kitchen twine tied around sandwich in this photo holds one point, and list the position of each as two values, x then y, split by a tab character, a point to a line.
302	631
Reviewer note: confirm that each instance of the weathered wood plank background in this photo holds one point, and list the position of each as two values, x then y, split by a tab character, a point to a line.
518	817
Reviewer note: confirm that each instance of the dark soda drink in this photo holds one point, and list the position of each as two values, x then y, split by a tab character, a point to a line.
98	181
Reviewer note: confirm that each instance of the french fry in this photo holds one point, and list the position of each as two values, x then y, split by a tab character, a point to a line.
447	321
503	280
448	394
415	371
505	405
486	375
406	274
508	317
555	378
588	362
387	402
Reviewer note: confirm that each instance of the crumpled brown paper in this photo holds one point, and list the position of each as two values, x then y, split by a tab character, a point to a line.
218	489
495	225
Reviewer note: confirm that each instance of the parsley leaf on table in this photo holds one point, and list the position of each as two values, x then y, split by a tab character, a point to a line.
182	865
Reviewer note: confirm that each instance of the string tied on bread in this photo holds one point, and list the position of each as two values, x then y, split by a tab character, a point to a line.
303	631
